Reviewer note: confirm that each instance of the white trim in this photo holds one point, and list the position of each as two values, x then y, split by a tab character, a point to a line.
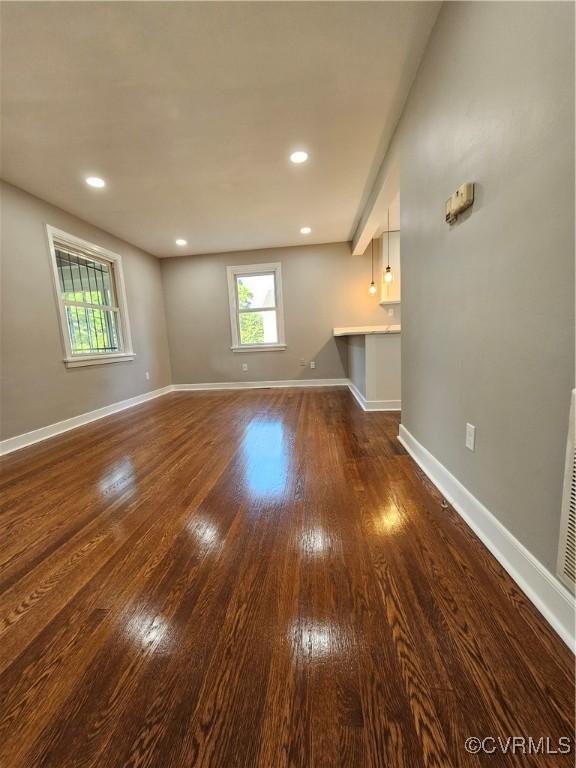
101	254
373	405
77	362
563	548
549	596
260	384
258	347
106	308
238	270
37	435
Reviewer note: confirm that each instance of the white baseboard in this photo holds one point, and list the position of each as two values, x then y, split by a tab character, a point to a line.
373	405
261	384
553	600
37	435
367	405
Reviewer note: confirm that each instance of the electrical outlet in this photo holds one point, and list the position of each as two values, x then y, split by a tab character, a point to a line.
390	312
147	375
312	364
470	436
244	366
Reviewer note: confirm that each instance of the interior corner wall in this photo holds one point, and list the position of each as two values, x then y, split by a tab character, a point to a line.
37	388
323	286
488	303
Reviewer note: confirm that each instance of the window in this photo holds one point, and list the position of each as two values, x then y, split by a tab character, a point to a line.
91	299
256	314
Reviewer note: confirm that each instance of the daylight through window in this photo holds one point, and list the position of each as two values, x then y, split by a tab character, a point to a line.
93	318
256	306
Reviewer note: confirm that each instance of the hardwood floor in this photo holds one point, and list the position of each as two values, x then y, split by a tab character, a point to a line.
257	578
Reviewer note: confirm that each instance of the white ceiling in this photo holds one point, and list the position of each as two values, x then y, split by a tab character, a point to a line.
190	110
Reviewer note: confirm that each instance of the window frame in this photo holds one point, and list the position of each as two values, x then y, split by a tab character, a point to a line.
241	270
57	237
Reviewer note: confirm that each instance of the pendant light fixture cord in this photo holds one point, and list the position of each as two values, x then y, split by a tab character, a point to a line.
372	241
388	238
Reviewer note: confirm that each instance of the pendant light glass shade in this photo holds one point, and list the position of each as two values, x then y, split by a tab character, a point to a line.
388	275
372	289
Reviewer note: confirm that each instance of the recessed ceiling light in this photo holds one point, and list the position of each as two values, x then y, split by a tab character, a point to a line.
299	157
95	181
180	241
305	230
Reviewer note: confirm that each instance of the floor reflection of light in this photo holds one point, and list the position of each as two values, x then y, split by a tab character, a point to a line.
314	641
266	457
314	541
118	477
388	521
204	531
151	632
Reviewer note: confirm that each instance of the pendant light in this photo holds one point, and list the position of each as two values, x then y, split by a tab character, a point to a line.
388	273
372	288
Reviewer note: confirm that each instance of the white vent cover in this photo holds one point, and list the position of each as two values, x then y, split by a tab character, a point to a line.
567	547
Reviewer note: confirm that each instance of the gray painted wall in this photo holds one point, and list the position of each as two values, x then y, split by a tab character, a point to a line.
383	367
37	388
488	304
357	362
323	286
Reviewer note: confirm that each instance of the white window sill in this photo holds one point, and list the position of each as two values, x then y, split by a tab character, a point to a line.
258	347
77	362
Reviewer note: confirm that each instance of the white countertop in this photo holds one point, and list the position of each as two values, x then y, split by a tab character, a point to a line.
366	330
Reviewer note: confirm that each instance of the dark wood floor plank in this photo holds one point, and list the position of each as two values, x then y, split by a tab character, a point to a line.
446	555
258	578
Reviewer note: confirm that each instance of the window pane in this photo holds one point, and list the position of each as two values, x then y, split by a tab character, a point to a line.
84	280
255	291
92	330
258	327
